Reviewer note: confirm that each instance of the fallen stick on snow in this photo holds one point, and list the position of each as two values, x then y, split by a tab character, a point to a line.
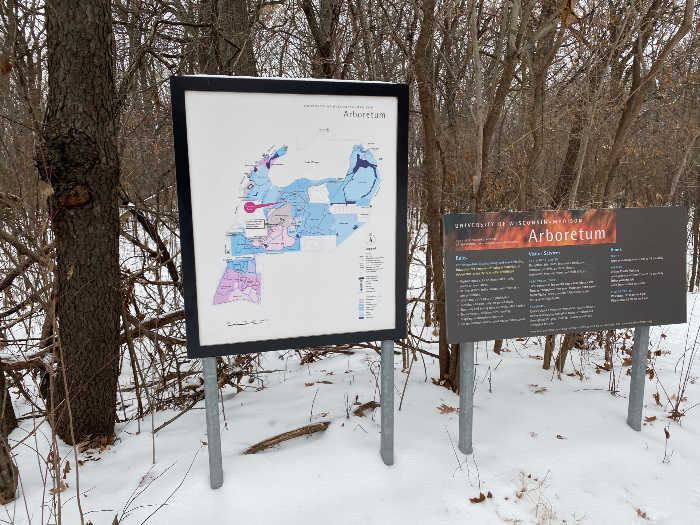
302	431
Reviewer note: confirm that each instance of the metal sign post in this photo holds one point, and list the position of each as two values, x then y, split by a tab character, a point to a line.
386	402
211	400
639	370
211	403
466	396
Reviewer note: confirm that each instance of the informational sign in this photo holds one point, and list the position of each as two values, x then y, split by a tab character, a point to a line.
292	198
518	274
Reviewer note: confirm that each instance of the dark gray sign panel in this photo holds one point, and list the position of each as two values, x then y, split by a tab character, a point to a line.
519	274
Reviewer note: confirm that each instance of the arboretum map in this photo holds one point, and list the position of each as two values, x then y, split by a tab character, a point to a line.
290	216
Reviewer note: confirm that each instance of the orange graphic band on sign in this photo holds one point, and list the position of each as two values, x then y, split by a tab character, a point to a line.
496	230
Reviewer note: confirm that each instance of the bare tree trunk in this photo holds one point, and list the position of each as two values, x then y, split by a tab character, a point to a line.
515	28
609	346
570	173
477	113
694	274
8	420
323	27
428	285
566	345
236	48
80	161
548	350
641	84
432	174
8	473
542	53
208	48
498	346
696	238
567	173
681	169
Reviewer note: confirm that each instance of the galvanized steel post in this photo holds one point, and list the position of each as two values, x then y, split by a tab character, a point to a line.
639	370
466	396
386	448
211	400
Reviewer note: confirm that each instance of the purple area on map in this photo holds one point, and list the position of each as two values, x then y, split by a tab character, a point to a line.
240	282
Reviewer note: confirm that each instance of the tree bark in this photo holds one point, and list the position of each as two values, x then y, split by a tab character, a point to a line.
609	346
428	315
8	473
640	86
227	47
498	346
542	54
567	173
323	29
566	345
432	175
696	250
548	350
80	161
8	420
515	28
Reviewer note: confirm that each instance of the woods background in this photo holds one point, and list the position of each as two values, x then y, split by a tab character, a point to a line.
515	105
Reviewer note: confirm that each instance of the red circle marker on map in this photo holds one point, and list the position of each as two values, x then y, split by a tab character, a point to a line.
250	207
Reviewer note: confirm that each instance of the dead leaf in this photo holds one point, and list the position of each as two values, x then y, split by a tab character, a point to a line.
481	497
489	495
559	436
650	419
66	469
100	444
445	409
360	411
642	515
657	398
61	487
309	384
668	434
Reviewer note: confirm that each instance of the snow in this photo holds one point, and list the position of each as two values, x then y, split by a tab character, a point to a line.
549	449
602	472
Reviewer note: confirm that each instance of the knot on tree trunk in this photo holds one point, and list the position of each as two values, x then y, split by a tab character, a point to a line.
73	197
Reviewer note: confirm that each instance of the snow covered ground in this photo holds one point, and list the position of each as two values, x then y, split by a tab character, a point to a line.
549	450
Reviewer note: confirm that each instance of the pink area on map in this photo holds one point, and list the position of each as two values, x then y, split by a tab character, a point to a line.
239	286
277	238
250	207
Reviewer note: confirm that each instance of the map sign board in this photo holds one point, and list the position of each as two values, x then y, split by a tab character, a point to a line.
520	274
292	200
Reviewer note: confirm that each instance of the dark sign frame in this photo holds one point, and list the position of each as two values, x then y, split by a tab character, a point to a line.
178	86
